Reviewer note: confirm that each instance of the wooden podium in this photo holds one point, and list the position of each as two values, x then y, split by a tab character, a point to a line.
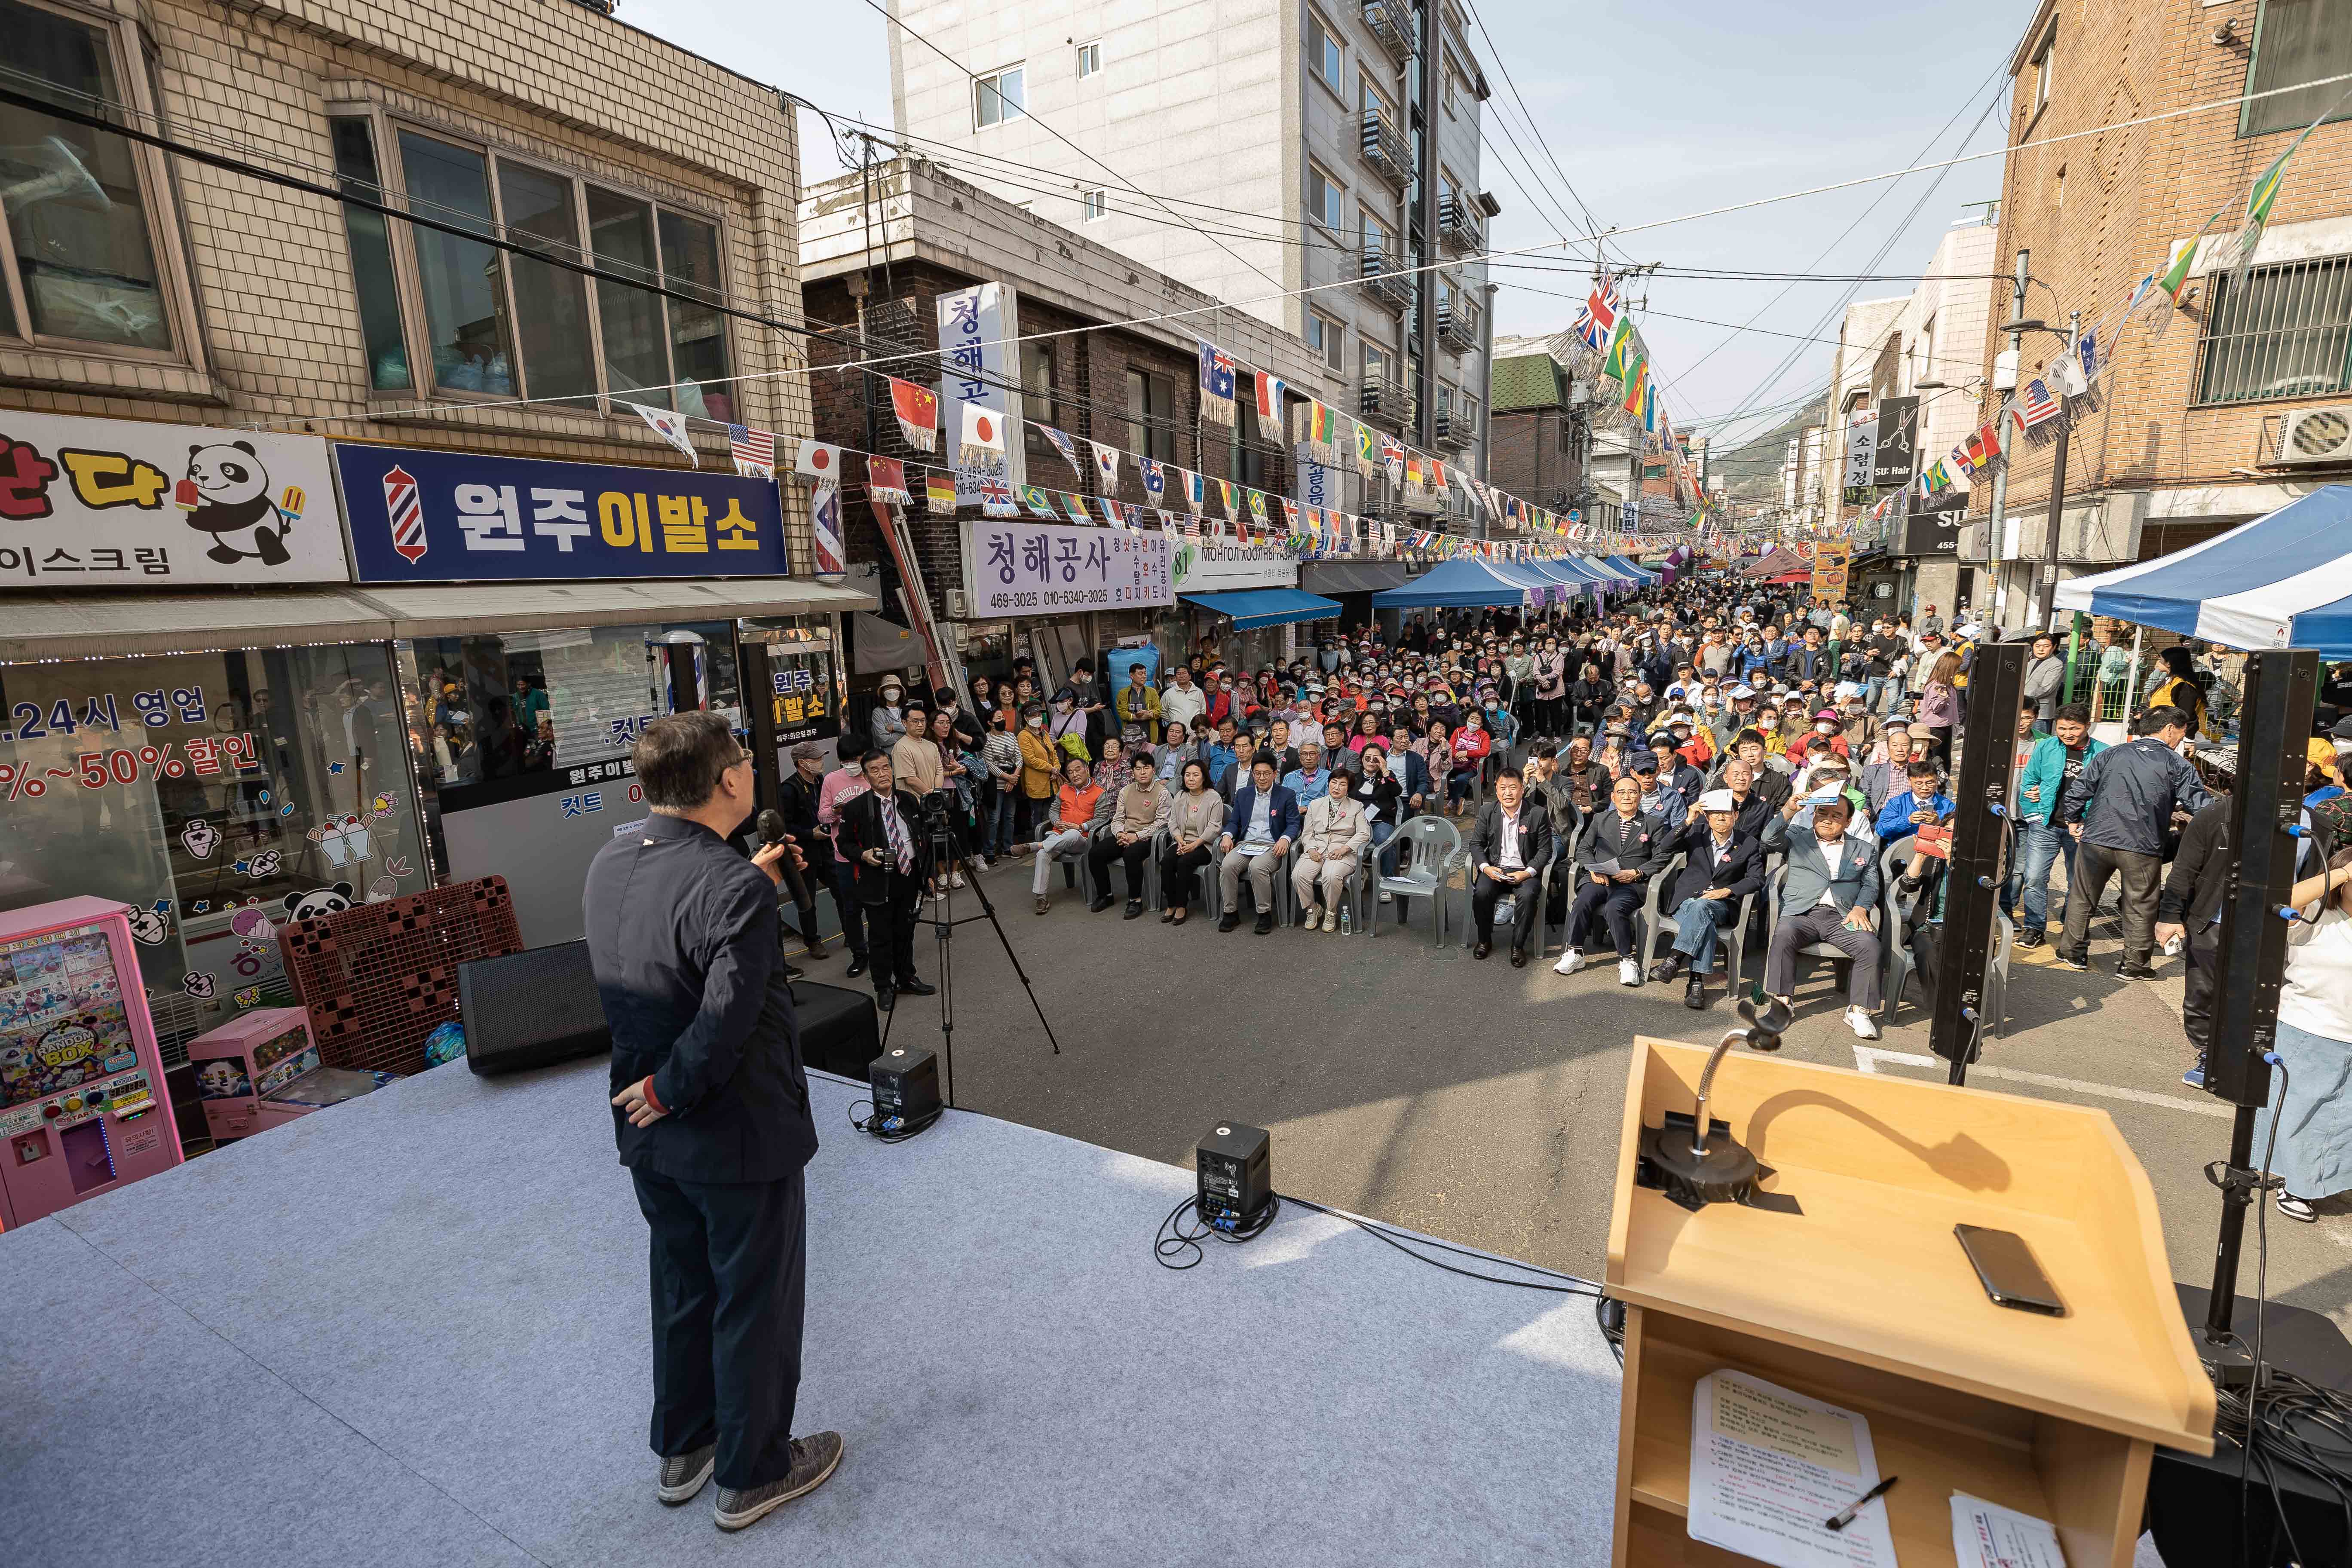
1862	1297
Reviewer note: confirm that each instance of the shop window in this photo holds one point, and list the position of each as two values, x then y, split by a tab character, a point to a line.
519	324
2297	41
82	264
219	794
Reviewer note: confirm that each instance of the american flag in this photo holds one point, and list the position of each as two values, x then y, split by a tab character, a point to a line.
2036	404
754	450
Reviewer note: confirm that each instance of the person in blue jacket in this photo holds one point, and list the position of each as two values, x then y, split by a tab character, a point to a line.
2056	763
1917	807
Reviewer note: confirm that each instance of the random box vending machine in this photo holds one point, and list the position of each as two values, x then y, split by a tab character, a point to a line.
83	1107
261	1070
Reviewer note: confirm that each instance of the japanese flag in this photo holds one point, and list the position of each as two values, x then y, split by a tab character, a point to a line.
982	427
819	462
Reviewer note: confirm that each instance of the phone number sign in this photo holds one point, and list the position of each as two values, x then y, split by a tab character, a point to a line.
1016	568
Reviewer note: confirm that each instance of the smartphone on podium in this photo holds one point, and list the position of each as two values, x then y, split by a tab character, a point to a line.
2006	1269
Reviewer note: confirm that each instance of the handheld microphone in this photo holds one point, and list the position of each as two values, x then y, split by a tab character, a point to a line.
771	826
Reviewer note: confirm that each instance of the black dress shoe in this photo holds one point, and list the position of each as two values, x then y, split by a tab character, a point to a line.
2128	971
1134	909
1666	968
1519	958
856	966
792	974
1097	904
1695	994
885	998
1228	922
1265	923
915	986
1482	950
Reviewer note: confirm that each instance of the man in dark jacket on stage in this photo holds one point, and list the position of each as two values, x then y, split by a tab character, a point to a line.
711	1108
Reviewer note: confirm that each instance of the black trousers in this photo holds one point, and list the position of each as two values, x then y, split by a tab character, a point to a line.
1489	892
728	1265
844	898
2204	975
1107	849
1619	903
890	928
1179	875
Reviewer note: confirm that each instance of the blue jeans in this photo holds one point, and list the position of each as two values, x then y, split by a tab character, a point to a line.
1700	924
1873	688
1383	863
999	835
2039	845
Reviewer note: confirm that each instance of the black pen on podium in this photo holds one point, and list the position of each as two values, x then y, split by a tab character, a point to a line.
1841	1519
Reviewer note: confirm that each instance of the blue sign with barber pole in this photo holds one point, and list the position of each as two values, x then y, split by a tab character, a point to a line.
417	515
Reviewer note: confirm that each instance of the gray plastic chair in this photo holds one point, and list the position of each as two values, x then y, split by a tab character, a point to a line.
1436	852
1731	943
1890	944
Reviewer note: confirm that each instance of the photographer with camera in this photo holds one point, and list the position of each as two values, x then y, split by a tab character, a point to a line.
887	839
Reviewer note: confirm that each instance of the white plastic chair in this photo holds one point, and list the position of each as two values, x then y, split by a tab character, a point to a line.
1436	852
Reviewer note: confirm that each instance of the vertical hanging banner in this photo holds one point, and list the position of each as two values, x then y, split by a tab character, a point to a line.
975	361
1861	454
824	518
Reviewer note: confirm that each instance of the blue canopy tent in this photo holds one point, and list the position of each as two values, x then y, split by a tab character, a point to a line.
1626	569
1253	608
1461	583
1599	576
2280	581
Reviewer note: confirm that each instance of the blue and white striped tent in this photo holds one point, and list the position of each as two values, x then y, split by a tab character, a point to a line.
2281	580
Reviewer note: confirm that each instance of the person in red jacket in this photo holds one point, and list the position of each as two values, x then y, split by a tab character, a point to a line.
1827	735
1471	745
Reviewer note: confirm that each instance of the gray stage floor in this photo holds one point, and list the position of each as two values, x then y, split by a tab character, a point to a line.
411	1330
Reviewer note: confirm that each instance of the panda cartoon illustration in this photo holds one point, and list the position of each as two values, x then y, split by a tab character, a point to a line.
318	901
226	495
149	927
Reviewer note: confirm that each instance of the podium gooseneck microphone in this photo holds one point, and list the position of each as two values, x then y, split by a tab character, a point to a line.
1696	1165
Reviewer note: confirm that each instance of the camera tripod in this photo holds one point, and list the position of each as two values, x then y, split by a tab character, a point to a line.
946	864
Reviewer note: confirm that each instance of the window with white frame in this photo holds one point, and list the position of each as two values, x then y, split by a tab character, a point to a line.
1324	56
2045	60
87	263
1094	204
1376	238
1379	365
998	97
1090	60
1326	201
455	314
1326	337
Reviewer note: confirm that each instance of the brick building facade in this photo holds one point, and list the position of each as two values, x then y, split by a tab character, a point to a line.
2187	440
251	308
1532	445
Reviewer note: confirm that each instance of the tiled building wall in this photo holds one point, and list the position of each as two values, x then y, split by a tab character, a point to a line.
2100	212
279	340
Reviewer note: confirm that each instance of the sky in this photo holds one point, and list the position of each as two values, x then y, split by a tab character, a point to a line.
1649	114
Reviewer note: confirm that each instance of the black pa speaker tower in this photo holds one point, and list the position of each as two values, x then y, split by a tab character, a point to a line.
905	1081
1980	833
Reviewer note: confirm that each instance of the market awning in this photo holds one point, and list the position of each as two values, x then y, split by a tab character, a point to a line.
1351	577
103	625
2277	582
1625	568
1457	584
1253	607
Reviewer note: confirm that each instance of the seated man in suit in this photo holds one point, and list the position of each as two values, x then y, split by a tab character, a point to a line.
1724	866
1509	849
1830	896
1330	844
1613	874
1259	831
1228	780
882	834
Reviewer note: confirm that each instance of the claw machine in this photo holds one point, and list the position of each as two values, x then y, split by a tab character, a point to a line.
83	1108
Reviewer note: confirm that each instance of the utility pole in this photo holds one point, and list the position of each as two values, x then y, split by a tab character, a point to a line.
2046	601
2016	341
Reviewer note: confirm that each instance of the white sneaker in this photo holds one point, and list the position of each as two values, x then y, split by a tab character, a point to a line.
1629	972
1569	962
1388	897
1331	921
956	881
1863	1025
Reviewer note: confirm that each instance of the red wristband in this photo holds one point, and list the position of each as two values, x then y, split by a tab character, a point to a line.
646	1088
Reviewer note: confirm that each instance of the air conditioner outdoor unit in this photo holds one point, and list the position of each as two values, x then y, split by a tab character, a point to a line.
959	606
2317	435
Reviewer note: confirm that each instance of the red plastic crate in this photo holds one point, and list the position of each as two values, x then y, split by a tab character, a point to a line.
378	978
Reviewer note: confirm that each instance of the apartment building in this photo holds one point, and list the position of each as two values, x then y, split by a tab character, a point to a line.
1291	148
2243	400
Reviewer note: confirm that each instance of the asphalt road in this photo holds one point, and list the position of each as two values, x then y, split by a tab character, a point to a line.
1481	1103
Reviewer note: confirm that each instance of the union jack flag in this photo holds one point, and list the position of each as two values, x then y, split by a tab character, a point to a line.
1598	319
2036	404
996	497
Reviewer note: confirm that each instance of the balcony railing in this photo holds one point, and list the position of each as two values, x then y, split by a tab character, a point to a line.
1392	25
1457	322
1460	230
1387	404
1452	430
1392	288
1384	148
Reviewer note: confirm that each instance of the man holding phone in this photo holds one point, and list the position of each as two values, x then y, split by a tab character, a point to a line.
1921	805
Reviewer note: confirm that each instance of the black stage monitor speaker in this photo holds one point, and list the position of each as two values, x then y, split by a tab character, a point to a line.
839	1028
1235	1176
906	1082
529	1009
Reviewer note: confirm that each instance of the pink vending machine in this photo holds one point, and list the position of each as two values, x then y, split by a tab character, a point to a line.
83	1107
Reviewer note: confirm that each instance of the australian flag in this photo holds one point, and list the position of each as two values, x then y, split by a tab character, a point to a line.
1216	385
